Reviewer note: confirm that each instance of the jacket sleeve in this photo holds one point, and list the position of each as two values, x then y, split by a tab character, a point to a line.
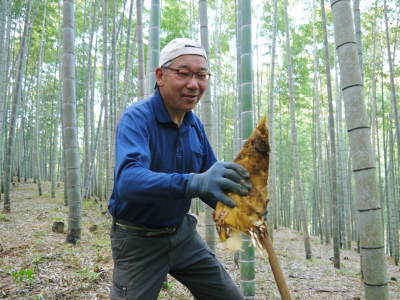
134	181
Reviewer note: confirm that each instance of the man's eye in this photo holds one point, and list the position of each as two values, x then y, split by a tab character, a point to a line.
201	75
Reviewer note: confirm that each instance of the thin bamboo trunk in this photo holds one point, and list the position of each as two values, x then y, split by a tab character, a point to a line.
90	82
154	47
272	221
106	138
374	115
387	188
37	106
206	114
130	47
295	153
13	118
392	86
357	28
114	106
393	208
3	80
91	173
318	166
332	140
238	98
139	34
63	147
92	183
54	151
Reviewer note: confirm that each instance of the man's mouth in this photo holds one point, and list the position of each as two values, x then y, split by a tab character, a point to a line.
190	96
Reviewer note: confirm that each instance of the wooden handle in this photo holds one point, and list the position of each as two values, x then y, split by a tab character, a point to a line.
276	269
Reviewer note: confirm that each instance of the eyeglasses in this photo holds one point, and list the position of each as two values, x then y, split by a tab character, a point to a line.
184	73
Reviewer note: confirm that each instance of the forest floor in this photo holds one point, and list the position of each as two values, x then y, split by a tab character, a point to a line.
37	263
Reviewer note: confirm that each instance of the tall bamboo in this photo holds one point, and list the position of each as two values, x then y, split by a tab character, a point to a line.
13	118
332	140
295	152
247	258
130	47
154	47
86	118
374	111
392	202
106	125
238	98
272	192
92	183
37	106
53	156
318	165
139	34
4	10
91	172
206	113
342	157
218	115
392	84
370	219
357	28
70	128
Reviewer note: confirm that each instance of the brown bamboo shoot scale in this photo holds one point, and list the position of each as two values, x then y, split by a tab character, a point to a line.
248	215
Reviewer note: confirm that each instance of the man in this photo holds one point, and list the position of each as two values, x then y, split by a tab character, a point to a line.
163	160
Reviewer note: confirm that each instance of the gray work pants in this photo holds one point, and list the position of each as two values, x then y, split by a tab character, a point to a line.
142	263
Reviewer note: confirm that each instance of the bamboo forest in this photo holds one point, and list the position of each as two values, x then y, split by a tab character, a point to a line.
324	73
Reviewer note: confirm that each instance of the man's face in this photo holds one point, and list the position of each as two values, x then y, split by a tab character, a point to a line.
183	82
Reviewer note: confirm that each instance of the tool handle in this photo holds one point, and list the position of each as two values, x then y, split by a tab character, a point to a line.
276	269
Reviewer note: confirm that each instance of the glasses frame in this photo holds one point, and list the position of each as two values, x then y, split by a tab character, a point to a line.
190	73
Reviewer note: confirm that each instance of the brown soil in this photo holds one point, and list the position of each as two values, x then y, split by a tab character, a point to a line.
36	263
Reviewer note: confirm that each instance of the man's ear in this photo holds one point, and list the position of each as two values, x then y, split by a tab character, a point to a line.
159	77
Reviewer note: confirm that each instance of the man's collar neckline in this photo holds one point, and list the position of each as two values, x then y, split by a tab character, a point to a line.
161	112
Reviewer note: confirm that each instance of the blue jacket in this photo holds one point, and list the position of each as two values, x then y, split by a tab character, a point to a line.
153	161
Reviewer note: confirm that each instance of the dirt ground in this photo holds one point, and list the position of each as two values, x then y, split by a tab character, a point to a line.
36	263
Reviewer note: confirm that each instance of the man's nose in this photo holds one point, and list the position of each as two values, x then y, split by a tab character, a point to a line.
192	82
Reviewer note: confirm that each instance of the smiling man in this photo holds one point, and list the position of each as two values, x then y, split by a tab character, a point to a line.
163	160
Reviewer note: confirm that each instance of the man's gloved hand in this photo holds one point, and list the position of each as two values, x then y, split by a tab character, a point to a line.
221	177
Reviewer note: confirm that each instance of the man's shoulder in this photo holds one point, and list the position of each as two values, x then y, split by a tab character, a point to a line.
140	110
138	115
141	106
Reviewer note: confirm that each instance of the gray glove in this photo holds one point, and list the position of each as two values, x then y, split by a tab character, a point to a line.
266	216
219	178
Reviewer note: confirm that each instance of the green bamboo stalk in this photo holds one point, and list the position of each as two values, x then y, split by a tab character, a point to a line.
247	265
206	113
372	247
70	125
13	118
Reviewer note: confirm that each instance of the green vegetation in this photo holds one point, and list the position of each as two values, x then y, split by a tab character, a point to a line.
38	259
87	273
347	272
24	276
4	218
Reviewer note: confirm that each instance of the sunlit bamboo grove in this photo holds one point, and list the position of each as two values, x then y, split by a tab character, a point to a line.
326	75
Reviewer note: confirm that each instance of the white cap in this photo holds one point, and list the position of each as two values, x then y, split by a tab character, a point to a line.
178	47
